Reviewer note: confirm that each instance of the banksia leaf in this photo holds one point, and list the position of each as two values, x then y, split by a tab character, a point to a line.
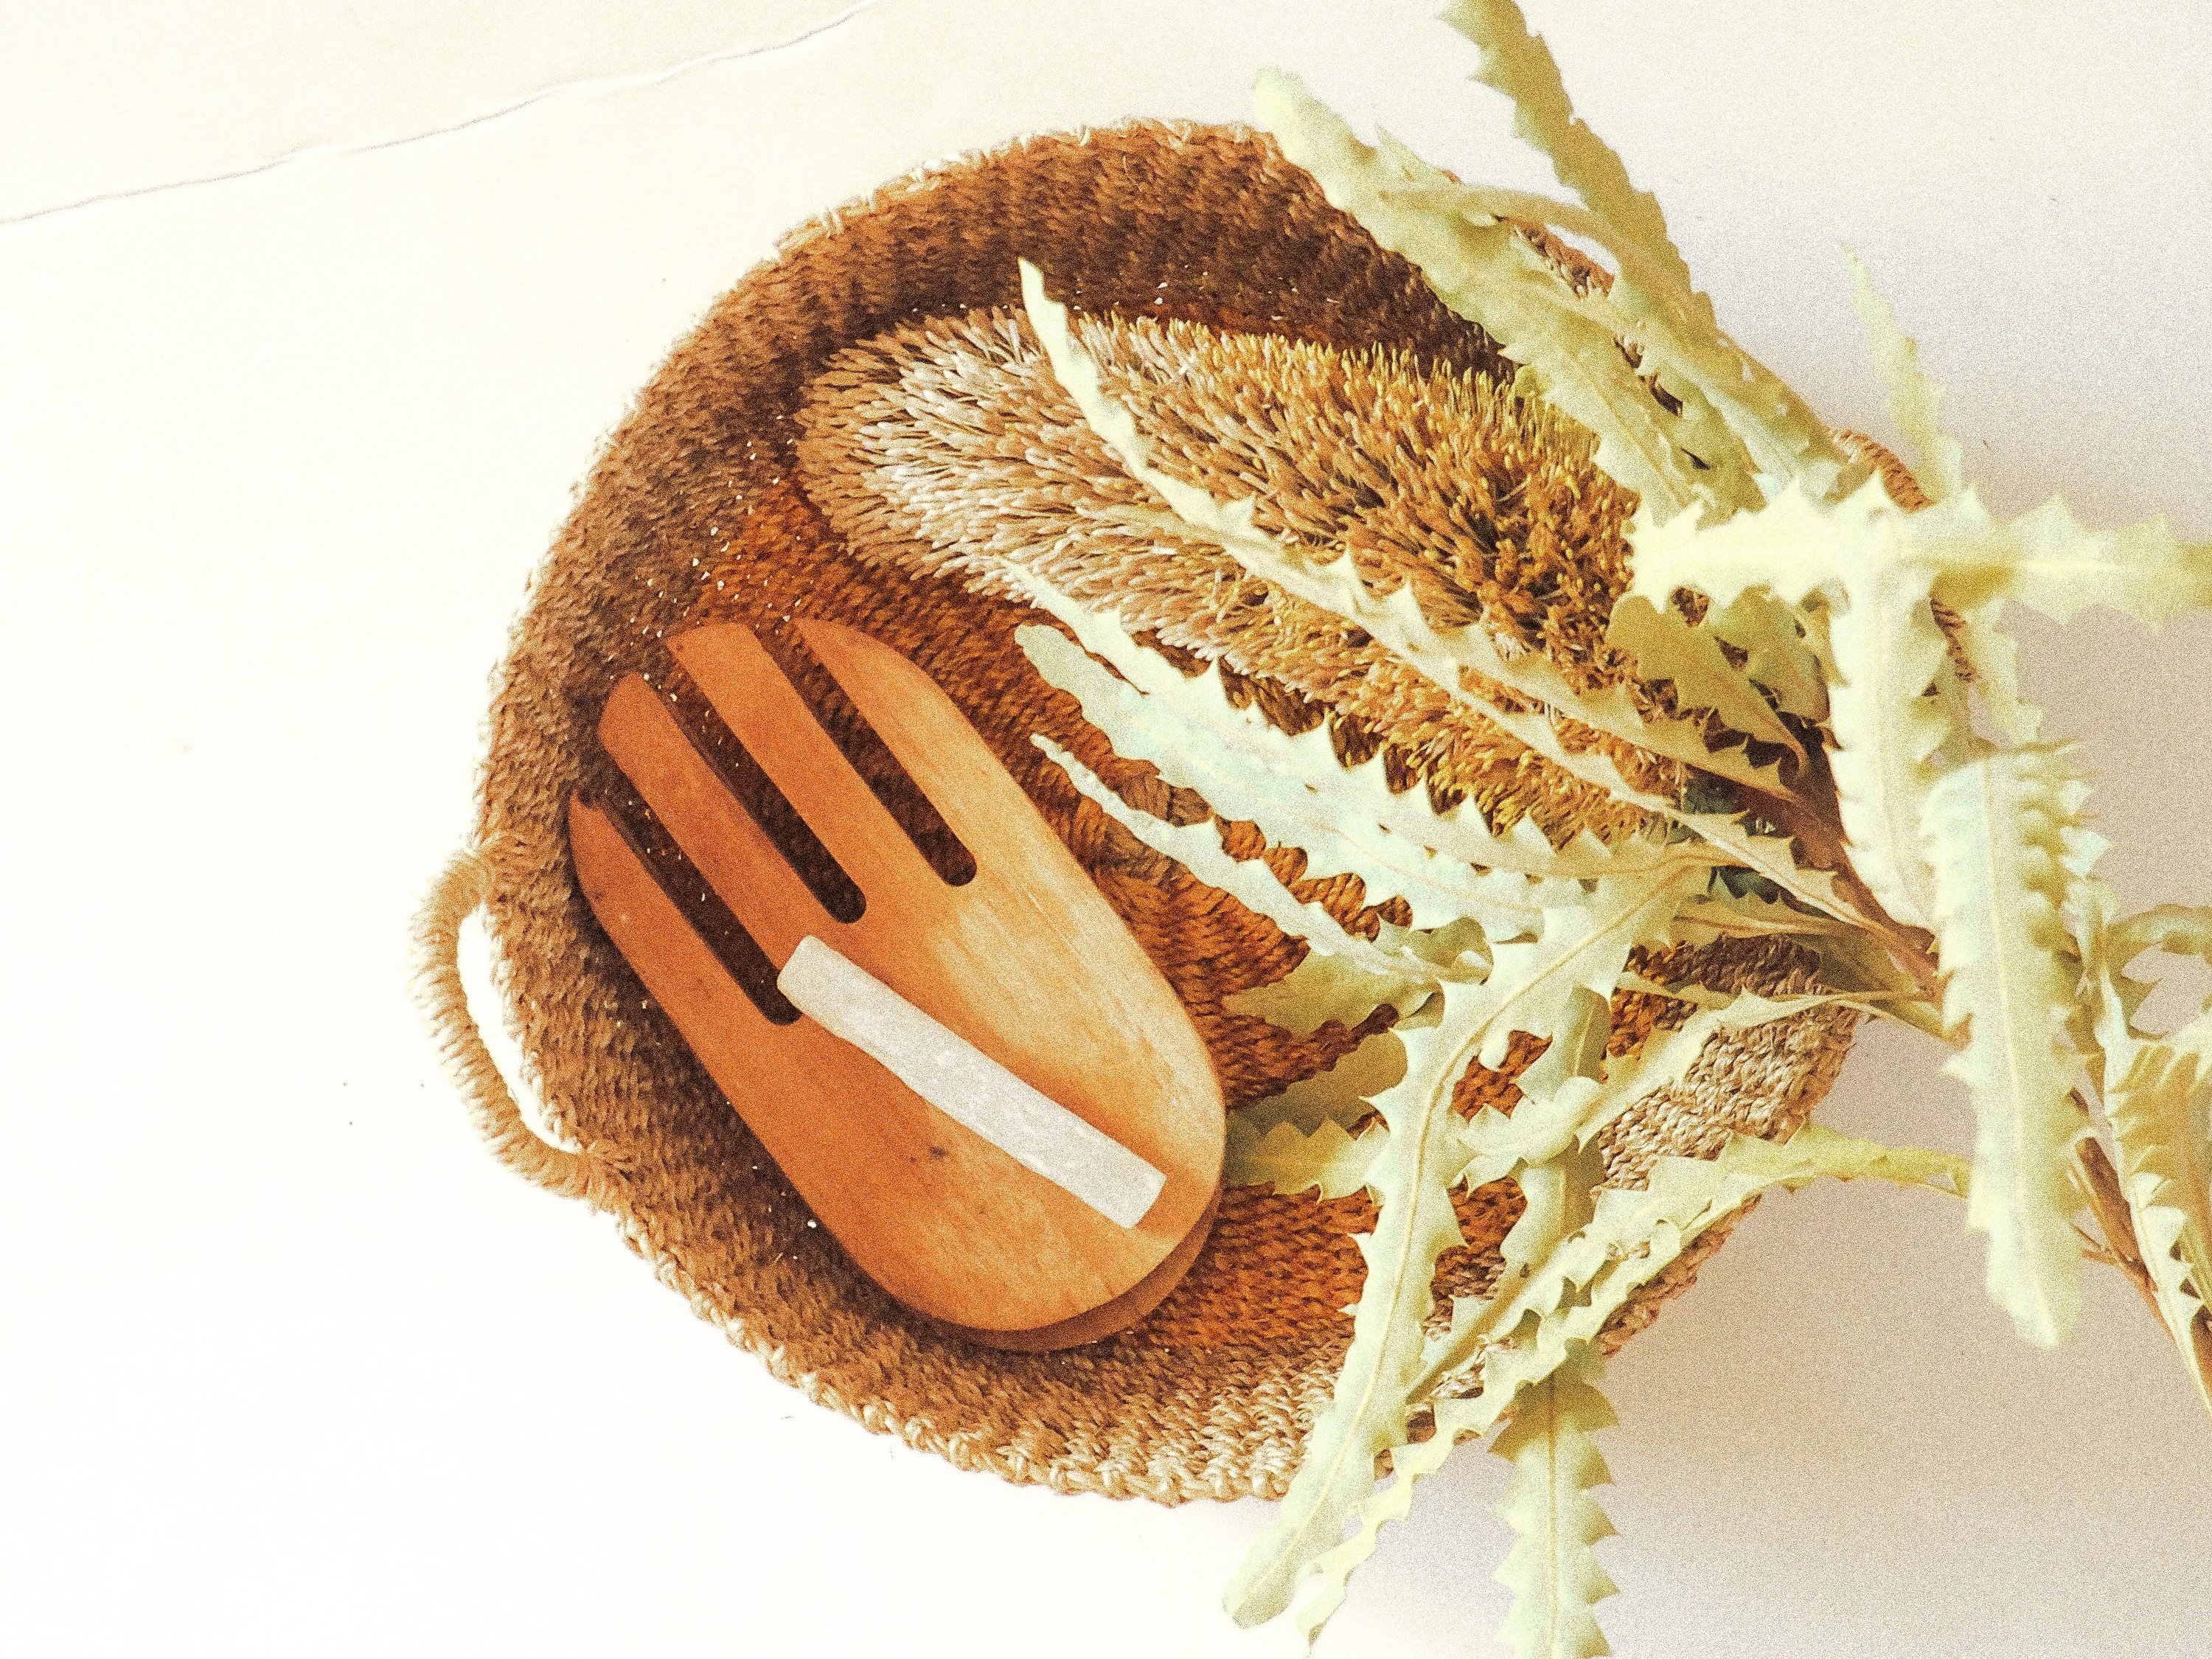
1815	1153
1887	649
2051	563
1517	64
1532	985
1552	1569
1668	648
1366	1415
1411	1464
2158	1103
1241	785
1993	831
1994	655
1722	913
1770	636
1522	1332
1302	765
1530	989
1289	1160
1198	848
1546	1127
2157	1108
1562	1303
1888	653
1324	987
1793	547
1715	383
1491	276
1914	402
1339	1096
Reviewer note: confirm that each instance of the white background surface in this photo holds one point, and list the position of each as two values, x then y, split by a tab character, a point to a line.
293	1366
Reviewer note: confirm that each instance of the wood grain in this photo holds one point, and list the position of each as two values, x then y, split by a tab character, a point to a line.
1026	962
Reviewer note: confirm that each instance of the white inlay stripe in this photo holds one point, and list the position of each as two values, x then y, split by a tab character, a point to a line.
968	1086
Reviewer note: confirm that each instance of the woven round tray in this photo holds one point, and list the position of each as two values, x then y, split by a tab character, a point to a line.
720	497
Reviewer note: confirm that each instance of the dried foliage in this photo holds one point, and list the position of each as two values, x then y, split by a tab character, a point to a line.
1784	683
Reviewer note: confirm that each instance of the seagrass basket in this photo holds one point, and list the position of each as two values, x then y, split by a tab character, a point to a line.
856	431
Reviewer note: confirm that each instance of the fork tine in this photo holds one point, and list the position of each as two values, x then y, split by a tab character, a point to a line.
740	863
862	745
696	899
680	969
928	735
747	688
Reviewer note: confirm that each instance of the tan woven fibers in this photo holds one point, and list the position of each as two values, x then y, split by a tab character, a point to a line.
949	445
698	509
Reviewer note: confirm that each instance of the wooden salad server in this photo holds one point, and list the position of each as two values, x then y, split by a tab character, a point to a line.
1067	1173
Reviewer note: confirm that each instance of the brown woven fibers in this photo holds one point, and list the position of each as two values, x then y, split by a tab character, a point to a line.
700	508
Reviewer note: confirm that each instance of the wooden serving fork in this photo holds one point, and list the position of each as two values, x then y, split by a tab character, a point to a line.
1016	998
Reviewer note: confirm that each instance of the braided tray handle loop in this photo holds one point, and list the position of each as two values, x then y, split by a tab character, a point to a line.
462	890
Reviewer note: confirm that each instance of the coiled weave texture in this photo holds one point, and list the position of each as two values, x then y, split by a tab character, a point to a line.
699	510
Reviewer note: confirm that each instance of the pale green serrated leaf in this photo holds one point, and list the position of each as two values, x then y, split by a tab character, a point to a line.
1748	430
2158	1113
1770	635
1720	914
1816	1153
1883	636
2045	559
1732	413
1993	834
1340	1095
2050	562
1584	946
1198	848
1774	857
2158	1104
1289	1160
1794	546
1533	989
1551	1569
1517	64
1577	1052
1636	1232
1668	648
1332	583
1728	834
2102	1024
1324	987
1994	655
1397	622
1361	793
1690	361
1859	965
1240	786
1914	402
1558	1204
1888	729
1491	275
1367	1414
1323	1592
1445	656
1545	1126
1533	1325
2182	930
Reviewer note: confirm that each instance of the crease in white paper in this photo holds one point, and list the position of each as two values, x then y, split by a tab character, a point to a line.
20	202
